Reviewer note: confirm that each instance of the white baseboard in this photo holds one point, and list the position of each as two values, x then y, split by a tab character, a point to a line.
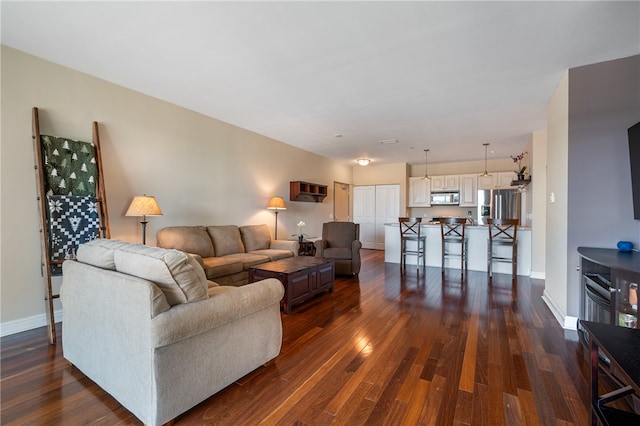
537	275
570	323
29	323
567	322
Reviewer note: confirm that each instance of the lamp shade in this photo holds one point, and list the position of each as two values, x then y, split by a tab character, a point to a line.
276	203
144	205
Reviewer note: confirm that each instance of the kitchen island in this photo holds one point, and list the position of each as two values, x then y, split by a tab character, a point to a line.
477	249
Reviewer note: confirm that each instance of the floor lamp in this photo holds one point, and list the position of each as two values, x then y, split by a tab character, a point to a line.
144	205
277	204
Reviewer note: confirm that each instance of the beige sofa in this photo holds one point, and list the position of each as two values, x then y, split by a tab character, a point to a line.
146	326
227	252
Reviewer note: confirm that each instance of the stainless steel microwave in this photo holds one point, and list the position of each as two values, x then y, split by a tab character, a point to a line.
445	198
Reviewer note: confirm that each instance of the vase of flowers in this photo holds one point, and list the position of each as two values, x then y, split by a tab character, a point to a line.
300	234
518	161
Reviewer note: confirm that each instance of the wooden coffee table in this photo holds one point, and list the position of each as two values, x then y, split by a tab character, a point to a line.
303	277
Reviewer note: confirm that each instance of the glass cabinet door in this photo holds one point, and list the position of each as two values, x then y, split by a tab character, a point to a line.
627	299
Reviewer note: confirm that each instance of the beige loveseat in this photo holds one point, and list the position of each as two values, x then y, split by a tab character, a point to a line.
146	326
227	252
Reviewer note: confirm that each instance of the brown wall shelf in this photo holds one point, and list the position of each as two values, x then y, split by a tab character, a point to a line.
306	191
523	182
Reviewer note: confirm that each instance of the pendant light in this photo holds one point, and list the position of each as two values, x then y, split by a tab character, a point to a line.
426	175
485	174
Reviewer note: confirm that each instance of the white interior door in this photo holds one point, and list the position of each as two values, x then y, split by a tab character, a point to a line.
387	210
364	208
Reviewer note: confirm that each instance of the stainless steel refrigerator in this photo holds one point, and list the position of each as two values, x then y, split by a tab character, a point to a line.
499	204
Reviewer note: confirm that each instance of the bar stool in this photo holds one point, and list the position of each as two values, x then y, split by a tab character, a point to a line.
452	230
503	233
410	231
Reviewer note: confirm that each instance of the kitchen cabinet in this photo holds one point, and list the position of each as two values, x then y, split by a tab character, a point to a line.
445	183
503	180
419	192
497	180
486	182
468	190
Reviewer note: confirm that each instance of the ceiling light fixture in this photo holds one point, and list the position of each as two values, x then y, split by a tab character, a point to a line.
426	175
363	161
485	174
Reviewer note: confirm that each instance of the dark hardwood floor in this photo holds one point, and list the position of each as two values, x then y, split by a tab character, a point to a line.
384	349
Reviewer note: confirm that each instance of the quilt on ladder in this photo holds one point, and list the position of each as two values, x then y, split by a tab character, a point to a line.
73	220
69	166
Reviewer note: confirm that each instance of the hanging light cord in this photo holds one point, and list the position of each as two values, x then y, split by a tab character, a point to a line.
426	175
485	160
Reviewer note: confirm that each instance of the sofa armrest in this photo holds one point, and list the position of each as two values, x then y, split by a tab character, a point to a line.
320	246
225	305
290	245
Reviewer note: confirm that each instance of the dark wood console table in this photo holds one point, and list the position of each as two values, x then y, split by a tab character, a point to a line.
609	282
621	345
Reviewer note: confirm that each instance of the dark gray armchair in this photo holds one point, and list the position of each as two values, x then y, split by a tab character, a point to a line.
341	242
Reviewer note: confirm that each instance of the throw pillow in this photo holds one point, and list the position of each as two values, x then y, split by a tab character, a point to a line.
255	237
177	274
99	253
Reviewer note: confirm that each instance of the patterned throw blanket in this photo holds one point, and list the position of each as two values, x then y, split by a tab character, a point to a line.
70	184
69	166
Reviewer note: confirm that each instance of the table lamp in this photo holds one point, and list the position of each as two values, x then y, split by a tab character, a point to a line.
144	205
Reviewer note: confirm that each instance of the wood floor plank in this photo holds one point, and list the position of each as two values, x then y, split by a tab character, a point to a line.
352	403
512	411
467	376
277	414
388	397
480	405
433	403
416	403
463	408
383	348
336	403
495	395
528	407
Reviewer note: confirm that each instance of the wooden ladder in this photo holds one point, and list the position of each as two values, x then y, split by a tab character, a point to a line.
47	263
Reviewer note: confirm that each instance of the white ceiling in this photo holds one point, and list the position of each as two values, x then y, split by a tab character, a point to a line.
447	76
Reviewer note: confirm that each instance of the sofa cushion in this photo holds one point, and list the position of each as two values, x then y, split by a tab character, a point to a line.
178	275
249	259
190	239
255	237
215	267
273	254
99	253
338	253
226	239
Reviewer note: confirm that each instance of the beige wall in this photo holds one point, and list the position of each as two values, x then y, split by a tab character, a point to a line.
201	170
555	292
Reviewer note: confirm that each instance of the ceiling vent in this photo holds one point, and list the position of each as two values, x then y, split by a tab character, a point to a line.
389	142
